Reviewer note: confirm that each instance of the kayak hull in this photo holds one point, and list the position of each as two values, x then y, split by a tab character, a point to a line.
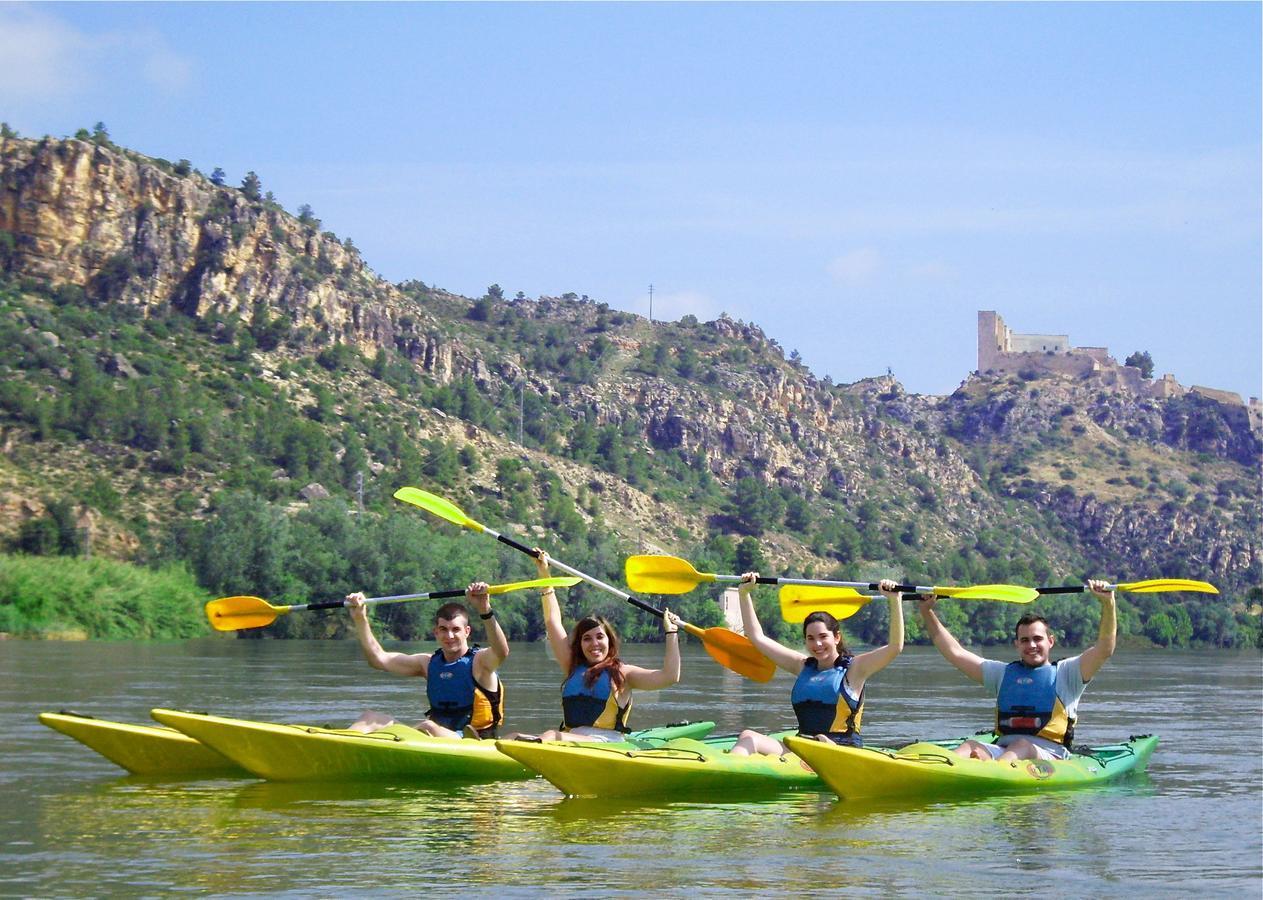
310	753
144	749
679	768
929	771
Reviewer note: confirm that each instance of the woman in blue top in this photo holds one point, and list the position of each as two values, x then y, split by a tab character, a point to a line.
828	693
596	696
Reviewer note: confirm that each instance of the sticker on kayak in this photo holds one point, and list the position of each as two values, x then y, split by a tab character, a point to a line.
1040	769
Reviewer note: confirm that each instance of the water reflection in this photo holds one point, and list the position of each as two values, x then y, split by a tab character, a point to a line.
78	829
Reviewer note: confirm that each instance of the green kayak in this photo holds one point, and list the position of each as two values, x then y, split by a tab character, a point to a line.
311	753
929	770
697	769
144	749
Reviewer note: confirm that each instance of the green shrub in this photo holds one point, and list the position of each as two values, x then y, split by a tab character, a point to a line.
104	598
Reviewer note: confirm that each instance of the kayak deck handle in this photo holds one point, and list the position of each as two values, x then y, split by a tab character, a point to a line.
346	732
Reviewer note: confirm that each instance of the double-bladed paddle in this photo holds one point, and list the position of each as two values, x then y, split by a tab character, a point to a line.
800	600
235	613
659	574
1153	586
726	647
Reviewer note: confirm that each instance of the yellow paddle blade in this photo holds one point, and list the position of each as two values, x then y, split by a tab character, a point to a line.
798	601
1168	584
233	613
565	581
662	574
432	503
734	652
1005	593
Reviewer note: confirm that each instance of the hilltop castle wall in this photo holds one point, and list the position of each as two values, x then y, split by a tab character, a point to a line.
1000	350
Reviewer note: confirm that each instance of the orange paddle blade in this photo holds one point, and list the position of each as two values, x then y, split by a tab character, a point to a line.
734	651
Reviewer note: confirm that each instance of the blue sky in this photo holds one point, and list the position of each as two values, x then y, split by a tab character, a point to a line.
858	179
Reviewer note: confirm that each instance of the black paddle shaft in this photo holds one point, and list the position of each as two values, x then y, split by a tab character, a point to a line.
872	586
640	604
433	595
505	539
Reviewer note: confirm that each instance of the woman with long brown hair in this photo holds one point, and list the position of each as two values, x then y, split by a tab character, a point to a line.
596	696
828	695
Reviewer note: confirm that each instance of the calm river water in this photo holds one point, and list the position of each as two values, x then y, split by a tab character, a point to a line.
72	826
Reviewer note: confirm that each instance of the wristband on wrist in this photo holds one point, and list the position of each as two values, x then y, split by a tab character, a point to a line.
487	615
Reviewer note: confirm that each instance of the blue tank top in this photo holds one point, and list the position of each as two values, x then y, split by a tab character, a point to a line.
1027	703
595	706
456	699
823	705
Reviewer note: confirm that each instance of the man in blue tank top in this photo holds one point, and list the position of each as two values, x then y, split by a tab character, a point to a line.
1036	700
462	686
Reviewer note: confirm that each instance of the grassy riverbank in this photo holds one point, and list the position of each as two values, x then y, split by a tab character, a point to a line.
72	597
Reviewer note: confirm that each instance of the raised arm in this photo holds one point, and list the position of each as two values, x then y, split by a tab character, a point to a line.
868	664
789	660
558	640
387	661
669	674
1107	637
497	649
953	652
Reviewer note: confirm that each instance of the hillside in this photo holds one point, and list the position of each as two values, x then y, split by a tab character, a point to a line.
184	353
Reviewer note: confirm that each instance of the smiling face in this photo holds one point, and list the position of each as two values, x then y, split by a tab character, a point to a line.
453	636
820	642
1034	643
595	644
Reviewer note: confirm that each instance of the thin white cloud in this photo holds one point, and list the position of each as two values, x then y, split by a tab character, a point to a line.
166	70
45	59
934	271
856	267
40	57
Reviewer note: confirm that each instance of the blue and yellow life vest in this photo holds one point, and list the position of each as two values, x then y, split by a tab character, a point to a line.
595	706
822	704
1028	704
457	699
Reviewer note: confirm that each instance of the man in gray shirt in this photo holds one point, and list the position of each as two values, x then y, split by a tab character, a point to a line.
1036	700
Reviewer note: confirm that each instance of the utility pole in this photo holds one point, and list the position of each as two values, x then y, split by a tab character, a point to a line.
521	401
359	491
651	303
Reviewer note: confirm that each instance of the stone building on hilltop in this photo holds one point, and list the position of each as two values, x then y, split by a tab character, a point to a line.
1002	350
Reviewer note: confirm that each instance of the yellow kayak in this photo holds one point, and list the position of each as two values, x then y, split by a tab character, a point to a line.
679	768
929	771
144	749
310	753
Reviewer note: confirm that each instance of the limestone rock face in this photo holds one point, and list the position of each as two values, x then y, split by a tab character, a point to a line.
129	230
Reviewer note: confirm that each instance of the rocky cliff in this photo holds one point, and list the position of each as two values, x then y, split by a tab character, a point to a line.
1054	461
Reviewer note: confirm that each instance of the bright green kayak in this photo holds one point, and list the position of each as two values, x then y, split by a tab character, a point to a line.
679	768
928	771
144	749
311	753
